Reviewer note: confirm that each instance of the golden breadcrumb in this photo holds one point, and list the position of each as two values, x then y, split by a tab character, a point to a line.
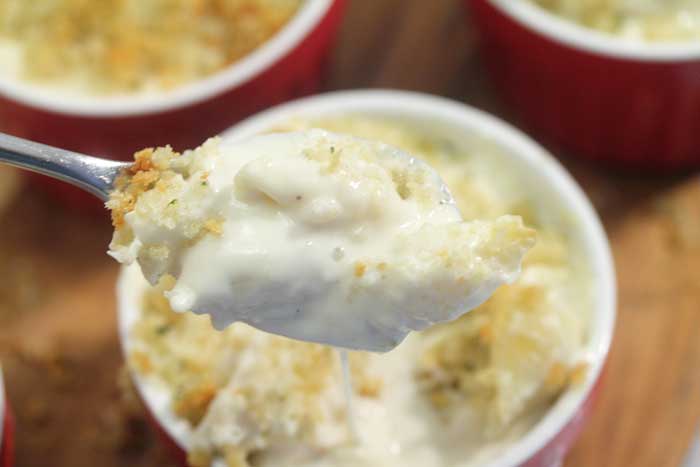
126	46
290	379
153	187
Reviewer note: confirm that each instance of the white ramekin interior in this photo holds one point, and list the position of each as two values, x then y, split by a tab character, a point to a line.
260	59
526	154
588	40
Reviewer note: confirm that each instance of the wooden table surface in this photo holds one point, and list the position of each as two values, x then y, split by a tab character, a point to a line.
58	342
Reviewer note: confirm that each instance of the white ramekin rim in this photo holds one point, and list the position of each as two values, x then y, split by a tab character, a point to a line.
431	108
588	40
262	58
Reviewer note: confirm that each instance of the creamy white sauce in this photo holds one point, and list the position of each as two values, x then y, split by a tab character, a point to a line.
322	237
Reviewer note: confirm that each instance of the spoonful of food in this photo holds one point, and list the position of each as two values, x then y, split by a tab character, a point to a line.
312	235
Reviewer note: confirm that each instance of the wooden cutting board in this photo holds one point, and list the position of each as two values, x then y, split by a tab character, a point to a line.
58	339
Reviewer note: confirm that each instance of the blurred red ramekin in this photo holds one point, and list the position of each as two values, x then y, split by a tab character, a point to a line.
288	65
627	104
6	430
550	439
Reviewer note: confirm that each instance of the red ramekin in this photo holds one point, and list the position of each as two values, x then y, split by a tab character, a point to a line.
288	65
548	441
627	104
7	430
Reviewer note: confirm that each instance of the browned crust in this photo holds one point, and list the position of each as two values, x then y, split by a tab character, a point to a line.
137	54
142	176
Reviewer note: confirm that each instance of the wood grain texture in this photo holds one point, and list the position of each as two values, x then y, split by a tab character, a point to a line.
58	340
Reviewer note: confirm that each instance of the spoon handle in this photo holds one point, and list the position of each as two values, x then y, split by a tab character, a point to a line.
92	174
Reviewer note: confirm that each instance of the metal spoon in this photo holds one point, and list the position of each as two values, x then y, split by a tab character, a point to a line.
92	174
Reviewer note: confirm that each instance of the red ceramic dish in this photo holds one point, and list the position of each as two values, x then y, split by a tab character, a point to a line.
549	440
7	443
6	431
288	65
632	105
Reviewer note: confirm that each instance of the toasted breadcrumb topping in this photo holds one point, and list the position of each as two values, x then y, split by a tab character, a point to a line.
279	386
153	187
124	46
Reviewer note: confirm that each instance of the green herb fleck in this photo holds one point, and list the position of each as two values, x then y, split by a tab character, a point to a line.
172	202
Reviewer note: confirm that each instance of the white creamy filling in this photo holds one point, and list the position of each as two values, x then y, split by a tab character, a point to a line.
318	237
